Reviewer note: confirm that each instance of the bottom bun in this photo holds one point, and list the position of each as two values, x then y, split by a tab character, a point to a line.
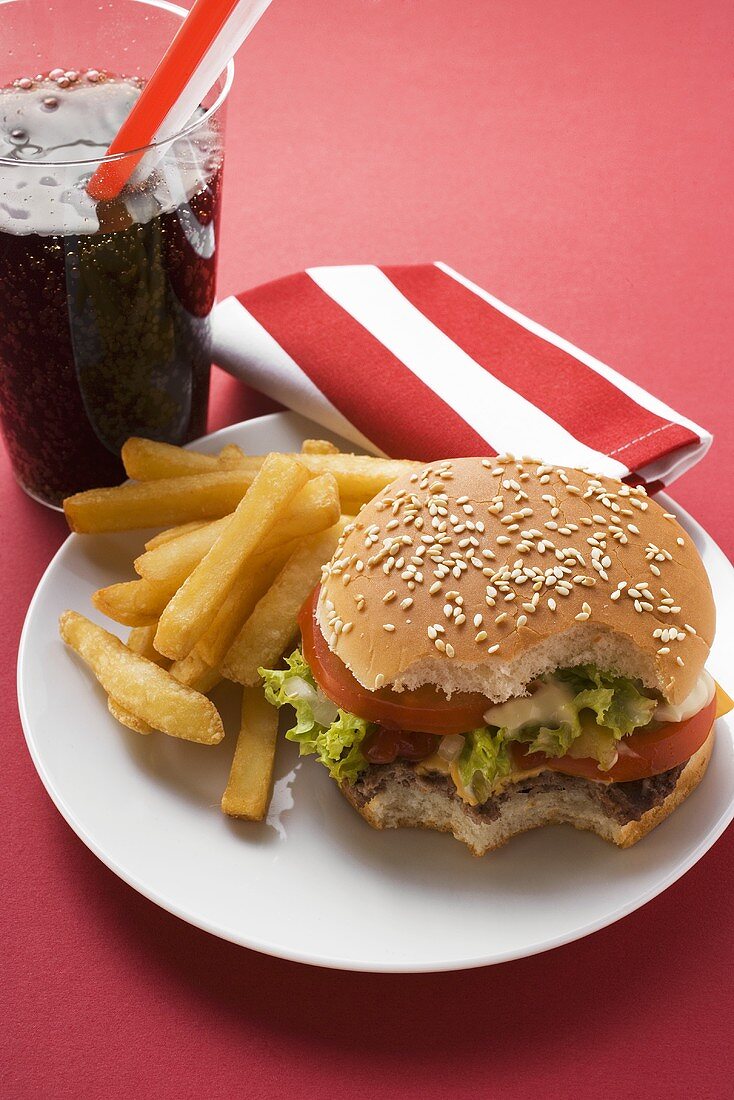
395	796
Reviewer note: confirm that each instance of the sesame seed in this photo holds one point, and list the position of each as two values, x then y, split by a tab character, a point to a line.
680	661
389	627
522	620
493	648
449	650
663	651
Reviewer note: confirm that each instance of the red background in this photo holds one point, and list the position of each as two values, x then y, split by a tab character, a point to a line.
574	159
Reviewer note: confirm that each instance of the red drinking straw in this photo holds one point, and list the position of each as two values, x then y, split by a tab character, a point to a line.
205	42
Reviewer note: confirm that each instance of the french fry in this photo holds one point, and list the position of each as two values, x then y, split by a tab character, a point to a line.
194	671
251	775
133	603
318	447
175	560
194	606
148	460
199	669
314	508
141	603
272	625
156	503
125	718
175	533
239	605
359	477
143	689
140	640
230	452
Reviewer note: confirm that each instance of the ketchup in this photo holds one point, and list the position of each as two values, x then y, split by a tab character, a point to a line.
383	745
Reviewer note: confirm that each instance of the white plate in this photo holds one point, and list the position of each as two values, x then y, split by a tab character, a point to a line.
315	883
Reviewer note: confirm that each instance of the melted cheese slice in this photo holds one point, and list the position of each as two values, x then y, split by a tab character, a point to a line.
436	763
723	703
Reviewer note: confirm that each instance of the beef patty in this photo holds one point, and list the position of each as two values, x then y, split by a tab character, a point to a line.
623	802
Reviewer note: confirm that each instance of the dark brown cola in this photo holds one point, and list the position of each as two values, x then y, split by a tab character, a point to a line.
104	328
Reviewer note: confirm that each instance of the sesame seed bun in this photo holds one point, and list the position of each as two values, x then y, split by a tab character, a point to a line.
481	574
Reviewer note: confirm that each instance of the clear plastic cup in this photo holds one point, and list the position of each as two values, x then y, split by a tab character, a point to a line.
104	307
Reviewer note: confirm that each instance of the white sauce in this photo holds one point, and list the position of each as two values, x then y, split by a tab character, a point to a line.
702	694
546	706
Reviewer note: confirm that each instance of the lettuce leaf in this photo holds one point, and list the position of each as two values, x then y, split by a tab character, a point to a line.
484	760
617	701
320	729
553	742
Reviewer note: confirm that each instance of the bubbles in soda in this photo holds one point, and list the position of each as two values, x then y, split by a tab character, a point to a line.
104	307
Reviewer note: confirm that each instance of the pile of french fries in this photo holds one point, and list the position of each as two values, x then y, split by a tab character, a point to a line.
218	590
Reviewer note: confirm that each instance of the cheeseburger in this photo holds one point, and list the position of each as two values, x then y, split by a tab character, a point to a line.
499	644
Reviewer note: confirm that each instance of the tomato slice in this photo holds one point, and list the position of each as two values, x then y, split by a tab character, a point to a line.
424	709
641	755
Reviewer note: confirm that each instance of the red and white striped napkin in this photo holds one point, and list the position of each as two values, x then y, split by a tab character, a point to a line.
418	362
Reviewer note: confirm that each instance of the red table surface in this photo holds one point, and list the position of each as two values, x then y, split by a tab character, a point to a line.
575	159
